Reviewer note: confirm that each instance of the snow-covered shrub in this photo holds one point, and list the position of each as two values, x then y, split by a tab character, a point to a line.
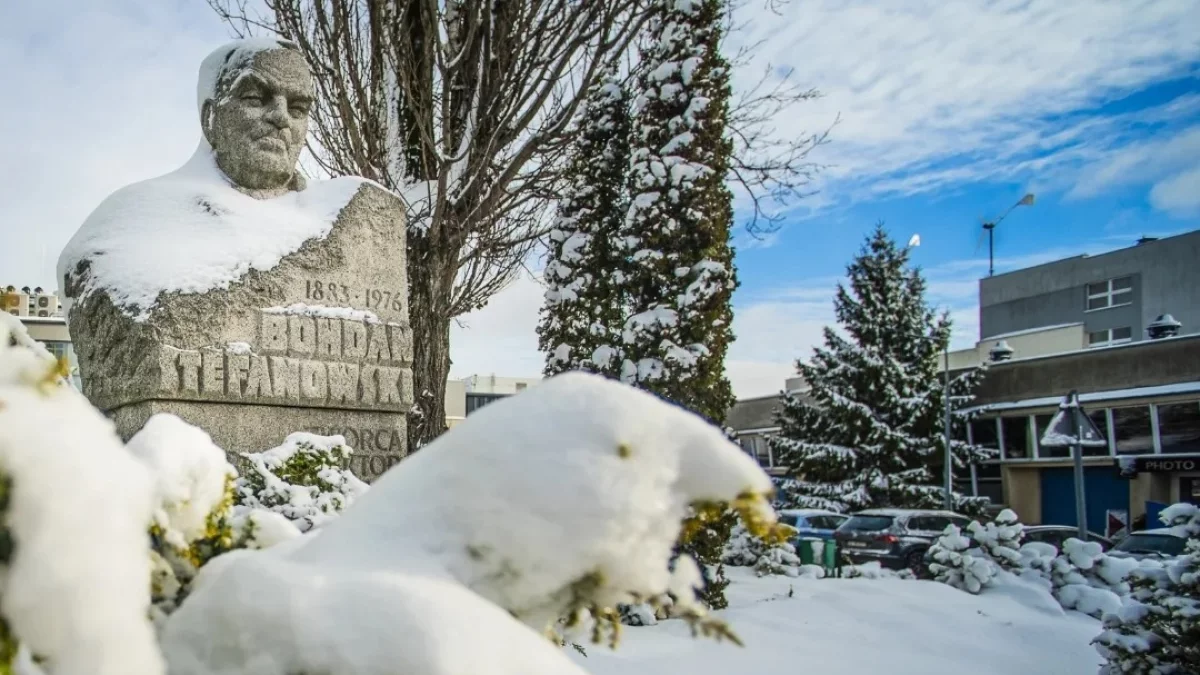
491	533
955	564
774	555
1086	580
194	519
703	538
873	570
1037	561
1000	539
302	480
74	506
1156	630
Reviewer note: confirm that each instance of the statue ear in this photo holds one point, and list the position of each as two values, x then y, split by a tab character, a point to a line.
206	112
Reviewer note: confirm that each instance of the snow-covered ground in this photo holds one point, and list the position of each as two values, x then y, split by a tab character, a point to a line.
857	626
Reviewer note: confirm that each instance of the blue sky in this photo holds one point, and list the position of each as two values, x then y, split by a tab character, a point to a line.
950	112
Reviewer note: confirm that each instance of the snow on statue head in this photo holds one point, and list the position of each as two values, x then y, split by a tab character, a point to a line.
254	97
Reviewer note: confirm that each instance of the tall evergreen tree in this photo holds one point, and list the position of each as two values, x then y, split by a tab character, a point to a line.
676	232
869	433
584	310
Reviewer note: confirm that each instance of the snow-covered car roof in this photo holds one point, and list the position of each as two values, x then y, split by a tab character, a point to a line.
907	512
1169	531
804	513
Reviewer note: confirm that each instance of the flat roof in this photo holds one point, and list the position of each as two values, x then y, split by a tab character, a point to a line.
1152	242
1095	396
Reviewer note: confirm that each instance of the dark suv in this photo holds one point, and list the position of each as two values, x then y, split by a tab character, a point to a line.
897	538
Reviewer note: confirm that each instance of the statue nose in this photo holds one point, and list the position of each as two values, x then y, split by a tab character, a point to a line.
277	113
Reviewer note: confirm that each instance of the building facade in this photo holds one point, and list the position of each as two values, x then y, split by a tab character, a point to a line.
753	422
1114	296
41	314
465	396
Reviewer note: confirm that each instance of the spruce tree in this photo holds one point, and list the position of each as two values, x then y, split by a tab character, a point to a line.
584	309
872	433
676	232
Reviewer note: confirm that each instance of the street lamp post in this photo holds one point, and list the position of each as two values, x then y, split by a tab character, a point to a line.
946	423
1071	427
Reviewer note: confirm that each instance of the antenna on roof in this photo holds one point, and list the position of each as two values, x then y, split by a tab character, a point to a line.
990	228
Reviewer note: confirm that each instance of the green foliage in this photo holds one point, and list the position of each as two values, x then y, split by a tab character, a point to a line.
303	480
584	309
869	432
678	226
174	567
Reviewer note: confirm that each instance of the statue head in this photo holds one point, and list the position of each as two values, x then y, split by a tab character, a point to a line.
254	97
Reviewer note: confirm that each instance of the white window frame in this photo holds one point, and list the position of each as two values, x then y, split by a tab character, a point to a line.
1108	293
1111	341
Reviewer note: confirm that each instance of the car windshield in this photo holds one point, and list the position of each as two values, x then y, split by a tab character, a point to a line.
1141	542
867	523
787	519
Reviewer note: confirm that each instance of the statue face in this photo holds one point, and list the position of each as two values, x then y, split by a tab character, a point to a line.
257	124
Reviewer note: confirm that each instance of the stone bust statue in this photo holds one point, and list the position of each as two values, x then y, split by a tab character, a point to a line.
256	118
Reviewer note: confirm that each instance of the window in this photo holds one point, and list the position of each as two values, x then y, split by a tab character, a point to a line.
984	433
1179	426
825	522
522	385
1131	430
1109	337
756	447
867	523
1099	418
477	401
1111	293
1016	437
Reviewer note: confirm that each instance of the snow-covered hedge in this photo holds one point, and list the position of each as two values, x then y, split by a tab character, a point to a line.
956	564
501	531
774	555
1000	539
873	570
1087	580
302	480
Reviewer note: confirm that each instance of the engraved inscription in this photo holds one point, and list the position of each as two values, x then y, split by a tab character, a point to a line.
351	296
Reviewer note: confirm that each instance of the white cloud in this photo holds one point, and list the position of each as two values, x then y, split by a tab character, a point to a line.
1179	193
935	93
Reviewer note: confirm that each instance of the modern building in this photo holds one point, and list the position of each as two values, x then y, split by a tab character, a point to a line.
753	421
469	394
1110	298
41	314
1144	396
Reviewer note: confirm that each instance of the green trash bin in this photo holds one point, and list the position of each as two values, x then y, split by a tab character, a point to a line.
829	556
805	551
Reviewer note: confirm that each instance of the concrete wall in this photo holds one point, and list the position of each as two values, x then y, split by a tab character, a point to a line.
456	402
47	331
1166	279
1024	344
495	384
1140	364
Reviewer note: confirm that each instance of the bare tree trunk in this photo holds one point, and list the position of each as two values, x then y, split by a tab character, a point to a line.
430	279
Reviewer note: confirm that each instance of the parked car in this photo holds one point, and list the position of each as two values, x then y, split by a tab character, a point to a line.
812	523
1055	535
1157	543
896	538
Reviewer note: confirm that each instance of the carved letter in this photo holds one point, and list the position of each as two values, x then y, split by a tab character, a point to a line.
189	365
389	385
285	374
402	346
212	376
329	337
258	380
168	368
378	467
384	444
237	366
343	382
377	346
313	382
370	391
273	334
354	339
302	335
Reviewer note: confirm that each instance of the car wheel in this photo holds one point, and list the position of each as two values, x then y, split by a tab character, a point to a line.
915	563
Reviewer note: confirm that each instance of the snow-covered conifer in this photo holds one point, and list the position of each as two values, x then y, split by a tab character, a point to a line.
869	432
955	564
1087	580
676	232
1000	539
584	310
1156	630
302	480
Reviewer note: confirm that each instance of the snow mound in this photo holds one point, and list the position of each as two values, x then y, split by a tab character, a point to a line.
567	496
955	564
75	588
191	475
852	627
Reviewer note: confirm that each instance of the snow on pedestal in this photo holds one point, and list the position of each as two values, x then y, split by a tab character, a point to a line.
566	496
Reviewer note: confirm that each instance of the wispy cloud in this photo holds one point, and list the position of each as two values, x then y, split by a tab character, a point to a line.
934	94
